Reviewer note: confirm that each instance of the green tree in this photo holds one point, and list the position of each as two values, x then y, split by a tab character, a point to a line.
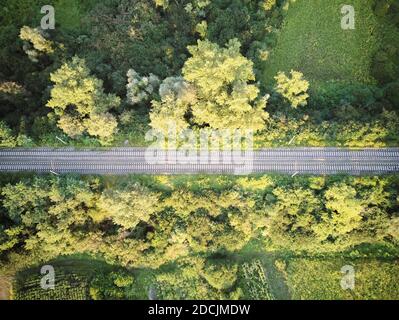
168	115
6	137
140	89
35	42
394	228
101	125
127	208
291	217
345	210
220	275
162	3
79	100
225	98
268	4
9	238
294	89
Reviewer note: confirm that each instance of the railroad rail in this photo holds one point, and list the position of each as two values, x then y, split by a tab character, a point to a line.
145	161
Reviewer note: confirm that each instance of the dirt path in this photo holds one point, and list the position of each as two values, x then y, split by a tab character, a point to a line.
5	288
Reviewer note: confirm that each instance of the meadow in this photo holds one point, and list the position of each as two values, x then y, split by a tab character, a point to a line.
311	40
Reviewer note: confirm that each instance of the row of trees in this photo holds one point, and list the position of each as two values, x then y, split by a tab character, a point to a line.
135	225
217	89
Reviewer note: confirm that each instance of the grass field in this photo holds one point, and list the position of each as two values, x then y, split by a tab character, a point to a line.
261	276
72	280
312	41
321	279
68	13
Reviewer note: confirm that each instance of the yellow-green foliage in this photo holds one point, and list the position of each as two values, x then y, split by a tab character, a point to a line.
186	282
122	281
168	115
219	275
162	3
321	279
255	184
184	202
6	137
225	98
346	209
340	217
75	87
35	37
293	88
101	125
201	29
268	4
140	226
128	208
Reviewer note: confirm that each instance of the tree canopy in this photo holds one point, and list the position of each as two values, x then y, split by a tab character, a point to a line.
79	100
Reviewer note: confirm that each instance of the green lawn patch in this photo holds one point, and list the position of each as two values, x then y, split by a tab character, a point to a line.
312	41
69	14
72	279
313	279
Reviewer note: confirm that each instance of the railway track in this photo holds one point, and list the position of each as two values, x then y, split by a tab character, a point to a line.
140	160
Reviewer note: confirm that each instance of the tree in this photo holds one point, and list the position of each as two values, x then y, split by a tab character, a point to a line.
35	42
127	208
201	231
162	3
9	238
291	218
140	89
201	29
268	4
178	89
221	79
72	126
346	210
220	275
79	100
169	114
294	89
394	228
110	285
101	125
6	137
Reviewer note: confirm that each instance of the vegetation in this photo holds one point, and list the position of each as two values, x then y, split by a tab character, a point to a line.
285	69
199	225
375	280
74	87
255	281
225	60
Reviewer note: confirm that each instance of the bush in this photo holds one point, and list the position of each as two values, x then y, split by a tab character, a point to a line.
219	275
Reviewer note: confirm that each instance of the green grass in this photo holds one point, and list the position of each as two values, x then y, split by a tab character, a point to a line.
72	279
69	14
296	277
313	279
311	41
